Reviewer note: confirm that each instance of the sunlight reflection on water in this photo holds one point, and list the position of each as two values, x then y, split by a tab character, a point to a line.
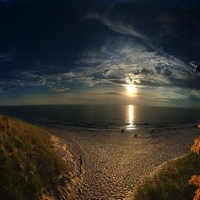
131	116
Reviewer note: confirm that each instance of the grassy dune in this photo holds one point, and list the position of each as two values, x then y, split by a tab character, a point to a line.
28	164
172	181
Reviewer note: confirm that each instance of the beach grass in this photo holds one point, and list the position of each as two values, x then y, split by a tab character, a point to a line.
29	166
172	181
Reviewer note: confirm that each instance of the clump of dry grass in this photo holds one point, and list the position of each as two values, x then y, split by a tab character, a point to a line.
28	164
172	182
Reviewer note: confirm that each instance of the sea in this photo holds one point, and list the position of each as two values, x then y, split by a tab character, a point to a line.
98	117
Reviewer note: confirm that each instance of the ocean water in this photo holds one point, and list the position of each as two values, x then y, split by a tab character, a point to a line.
104	116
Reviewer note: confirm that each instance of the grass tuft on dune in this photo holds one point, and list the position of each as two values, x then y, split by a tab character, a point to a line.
172	182
29	166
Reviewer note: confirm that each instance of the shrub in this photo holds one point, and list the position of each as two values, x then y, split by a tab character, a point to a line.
195	179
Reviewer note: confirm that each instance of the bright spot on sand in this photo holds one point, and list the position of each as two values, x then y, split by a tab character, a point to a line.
131	89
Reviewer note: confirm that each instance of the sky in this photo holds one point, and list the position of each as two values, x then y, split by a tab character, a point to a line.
141	52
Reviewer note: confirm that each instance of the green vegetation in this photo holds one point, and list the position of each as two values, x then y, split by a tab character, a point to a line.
172	182
28	164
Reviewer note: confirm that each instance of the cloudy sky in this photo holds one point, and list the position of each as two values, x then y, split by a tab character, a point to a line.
140	52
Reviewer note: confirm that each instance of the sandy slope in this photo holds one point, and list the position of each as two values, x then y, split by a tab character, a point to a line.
114	163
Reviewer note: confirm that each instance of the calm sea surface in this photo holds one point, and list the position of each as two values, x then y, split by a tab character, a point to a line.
103	116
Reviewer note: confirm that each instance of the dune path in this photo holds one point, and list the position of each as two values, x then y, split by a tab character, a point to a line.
114	163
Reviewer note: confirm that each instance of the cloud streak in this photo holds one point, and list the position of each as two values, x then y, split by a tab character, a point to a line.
120	27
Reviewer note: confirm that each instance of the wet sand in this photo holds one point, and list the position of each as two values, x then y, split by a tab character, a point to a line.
115	163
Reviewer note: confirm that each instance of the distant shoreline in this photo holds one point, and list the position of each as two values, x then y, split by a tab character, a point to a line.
107	128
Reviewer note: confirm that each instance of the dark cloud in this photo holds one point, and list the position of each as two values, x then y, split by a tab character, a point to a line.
167	72
160	67
194	96
117	81
146	71
105	72
7	56
111	93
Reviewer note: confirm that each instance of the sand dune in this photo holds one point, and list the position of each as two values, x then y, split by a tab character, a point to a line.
114	163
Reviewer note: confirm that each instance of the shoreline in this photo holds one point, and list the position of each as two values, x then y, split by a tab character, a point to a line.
115	163
137	127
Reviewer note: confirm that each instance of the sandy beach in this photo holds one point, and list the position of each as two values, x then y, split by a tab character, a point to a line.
115	163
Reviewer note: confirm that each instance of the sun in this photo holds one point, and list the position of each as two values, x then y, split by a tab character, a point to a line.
131	89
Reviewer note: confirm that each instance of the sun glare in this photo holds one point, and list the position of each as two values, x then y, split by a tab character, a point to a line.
131	89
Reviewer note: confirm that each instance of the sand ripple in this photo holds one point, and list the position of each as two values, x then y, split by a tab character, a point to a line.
114	163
